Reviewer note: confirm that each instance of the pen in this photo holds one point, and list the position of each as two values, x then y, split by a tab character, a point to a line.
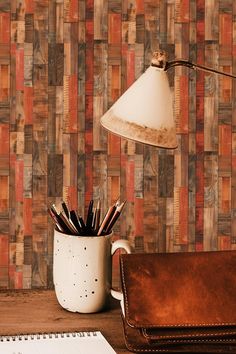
74	219
89	219
65	208
82	225
68	221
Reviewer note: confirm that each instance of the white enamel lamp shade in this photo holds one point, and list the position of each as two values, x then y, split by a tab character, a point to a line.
144	112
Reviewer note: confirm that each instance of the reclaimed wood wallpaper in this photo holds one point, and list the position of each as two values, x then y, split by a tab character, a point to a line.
62	64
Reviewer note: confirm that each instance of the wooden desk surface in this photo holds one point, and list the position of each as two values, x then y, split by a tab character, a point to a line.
37	311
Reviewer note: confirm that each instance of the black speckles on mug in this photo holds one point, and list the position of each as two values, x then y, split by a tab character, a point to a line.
80	272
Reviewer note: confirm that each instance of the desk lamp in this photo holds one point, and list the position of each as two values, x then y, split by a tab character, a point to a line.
144	112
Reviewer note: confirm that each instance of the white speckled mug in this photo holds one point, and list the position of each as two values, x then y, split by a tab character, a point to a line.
82	270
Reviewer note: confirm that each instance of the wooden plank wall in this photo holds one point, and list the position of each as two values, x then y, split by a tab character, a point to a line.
62	64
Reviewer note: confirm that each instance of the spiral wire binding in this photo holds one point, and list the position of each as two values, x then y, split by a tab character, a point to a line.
37	336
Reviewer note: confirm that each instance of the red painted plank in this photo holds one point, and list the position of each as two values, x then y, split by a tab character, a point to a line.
184	11
27	216
139	7
224	243
4	83
29	6
4	194
88	142
73	103
234	163
89	5
4	139
225	141
130	67
200	26
18	280
4	254
115	188
4	27
74	11
226	195
199	246
200	142
115	83
28	104
225	29
114	28
20	69
19	187
89	27
113	144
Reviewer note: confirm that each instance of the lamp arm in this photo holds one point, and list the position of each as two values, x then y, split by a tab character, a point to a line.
162	64
180	62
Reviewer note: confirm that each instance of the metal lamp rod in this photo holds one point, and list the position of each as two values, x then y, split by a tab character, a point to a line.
195	66
159	61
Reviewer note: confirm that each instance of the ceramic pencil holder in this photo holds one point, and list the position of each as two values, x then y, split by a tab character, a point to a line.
82	270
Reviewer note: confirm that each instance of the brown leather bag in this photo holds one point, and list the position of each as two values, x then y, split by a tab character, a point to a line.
180	302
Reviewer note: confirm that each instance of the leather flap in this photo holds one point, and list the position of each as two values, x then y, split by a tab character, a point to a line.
175	290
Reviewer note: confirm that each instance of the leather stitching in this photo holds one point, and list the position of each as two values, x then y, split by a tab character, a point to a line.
187	335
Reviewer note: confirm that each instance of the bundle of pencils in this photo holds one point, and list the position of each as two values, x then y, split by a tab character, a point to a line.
69	222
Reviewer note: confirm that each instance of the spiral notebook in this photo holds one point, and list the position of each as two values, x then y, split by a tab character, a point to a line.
56	343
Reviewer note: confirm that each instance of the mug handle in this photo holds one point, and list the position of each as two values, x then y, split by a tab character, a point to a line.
118	295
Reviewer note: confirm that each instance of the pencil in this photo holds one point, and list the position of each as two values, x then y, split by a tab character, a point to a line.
65	208
68	223
115	217
107	219
98	215
54	218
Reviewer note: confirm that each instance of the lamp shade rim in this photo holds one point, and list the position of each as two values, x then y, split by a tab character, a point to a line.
164	137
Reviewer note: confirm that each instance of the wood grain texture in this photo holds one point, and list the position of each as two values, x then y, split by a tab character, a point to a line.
62	65
37	311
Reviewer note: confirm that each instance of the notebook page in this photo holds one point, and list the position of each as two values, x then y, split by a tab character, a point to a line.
89	343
